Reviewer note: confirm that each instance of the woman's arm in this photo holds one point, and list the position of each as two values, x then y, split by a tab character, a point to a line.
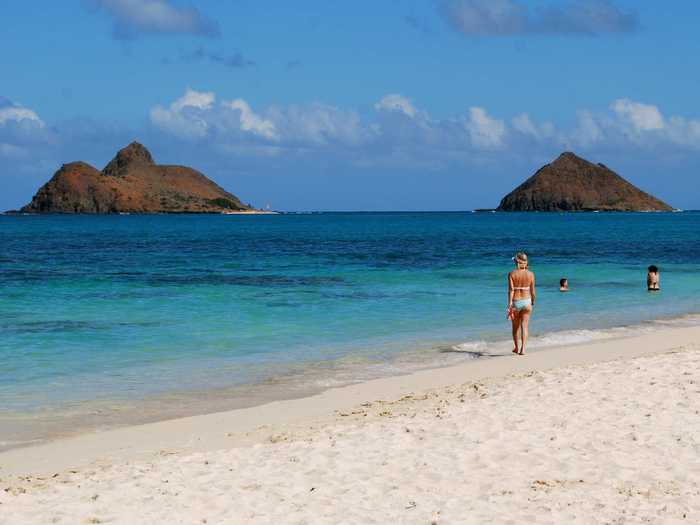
510	290
533	295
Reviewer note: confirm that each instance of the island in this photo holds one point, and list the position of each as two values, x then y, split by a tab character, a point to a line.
572	183
133	183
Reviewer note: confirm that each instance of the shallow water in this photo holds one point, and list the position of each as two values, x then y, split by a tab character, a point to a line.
114	310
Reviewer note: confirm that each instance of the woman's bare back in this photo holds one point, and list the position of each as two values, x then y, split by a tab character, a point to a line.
521	281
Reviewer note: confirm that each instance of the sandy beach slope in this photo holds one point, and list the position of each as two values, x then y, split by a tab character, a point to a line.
592	440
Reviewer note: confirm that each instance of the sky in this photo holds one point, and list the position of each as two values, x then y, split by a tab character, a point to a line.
363	105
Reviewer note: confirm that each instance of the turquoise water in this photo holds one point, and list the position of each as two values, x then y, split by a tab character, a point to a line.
121	309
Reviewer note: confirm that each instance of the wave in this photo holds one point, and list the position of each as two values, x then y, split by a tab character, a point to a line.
483	348
16	443
549	340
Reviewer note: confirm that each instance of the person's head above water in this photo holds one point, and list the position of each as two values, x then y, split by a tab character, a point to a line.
563	284
653	279
520	260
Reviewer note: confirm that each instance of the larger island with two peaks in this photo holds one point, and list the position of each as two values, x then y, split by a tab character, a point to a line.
132	183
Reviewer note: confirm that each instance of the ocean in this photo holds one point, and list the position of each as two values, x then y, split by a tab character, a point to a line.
110	320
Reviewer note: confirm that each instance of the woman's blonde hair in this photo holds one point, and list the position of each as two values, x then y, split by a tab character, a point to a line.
521	259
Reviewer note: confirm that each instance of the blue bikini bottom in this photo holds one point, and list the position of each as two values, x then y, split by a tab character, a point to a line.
522	304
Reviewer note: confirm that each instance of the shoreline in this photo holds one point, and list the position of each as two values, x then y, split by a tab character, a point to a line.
251	212
233	428
17	213
48	424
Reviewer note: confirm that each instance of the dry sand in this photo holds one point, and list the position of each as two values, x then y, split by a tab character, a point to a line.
599	433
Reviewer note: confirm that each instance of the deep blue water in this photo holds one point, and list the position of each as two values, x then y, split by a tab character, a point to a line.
126	307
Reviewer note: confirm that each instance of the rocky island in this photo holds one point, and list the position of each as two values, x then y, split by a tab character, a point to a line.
132	183
571	183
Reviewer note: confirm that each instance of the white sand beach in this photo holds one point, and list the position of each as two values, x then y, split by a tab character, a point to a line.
249	212
605	432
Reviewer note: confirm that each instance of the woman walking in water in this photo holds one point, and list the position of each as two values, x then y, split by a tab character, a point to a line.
521	299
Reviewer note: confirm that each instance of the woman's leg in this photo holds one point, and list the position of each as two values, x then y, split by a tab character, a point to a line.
524	328
516	329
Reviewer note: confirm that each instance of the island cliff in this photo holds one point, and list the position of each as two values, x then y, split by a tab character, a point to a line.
571	183
131	183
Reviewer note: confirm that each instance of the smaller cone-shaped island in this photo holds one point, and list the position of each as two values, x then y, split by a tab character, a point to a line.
571	183
132	183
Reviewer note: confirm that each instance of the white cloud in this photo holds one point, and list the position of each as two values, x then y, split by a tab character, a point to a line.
484	131
196	115
317	125
523	124
20	128
186	117
399	124
588	130
252	122
398	130
133	17
194	99
16	113
642	117
396	102
634	124
684	132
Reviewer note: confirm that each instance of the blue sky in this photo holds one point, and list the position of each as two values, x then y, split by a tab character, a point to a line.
366	105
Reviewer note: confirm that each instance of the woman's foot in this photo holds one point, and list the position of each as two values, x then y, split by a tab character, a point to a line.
515	350
521	353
